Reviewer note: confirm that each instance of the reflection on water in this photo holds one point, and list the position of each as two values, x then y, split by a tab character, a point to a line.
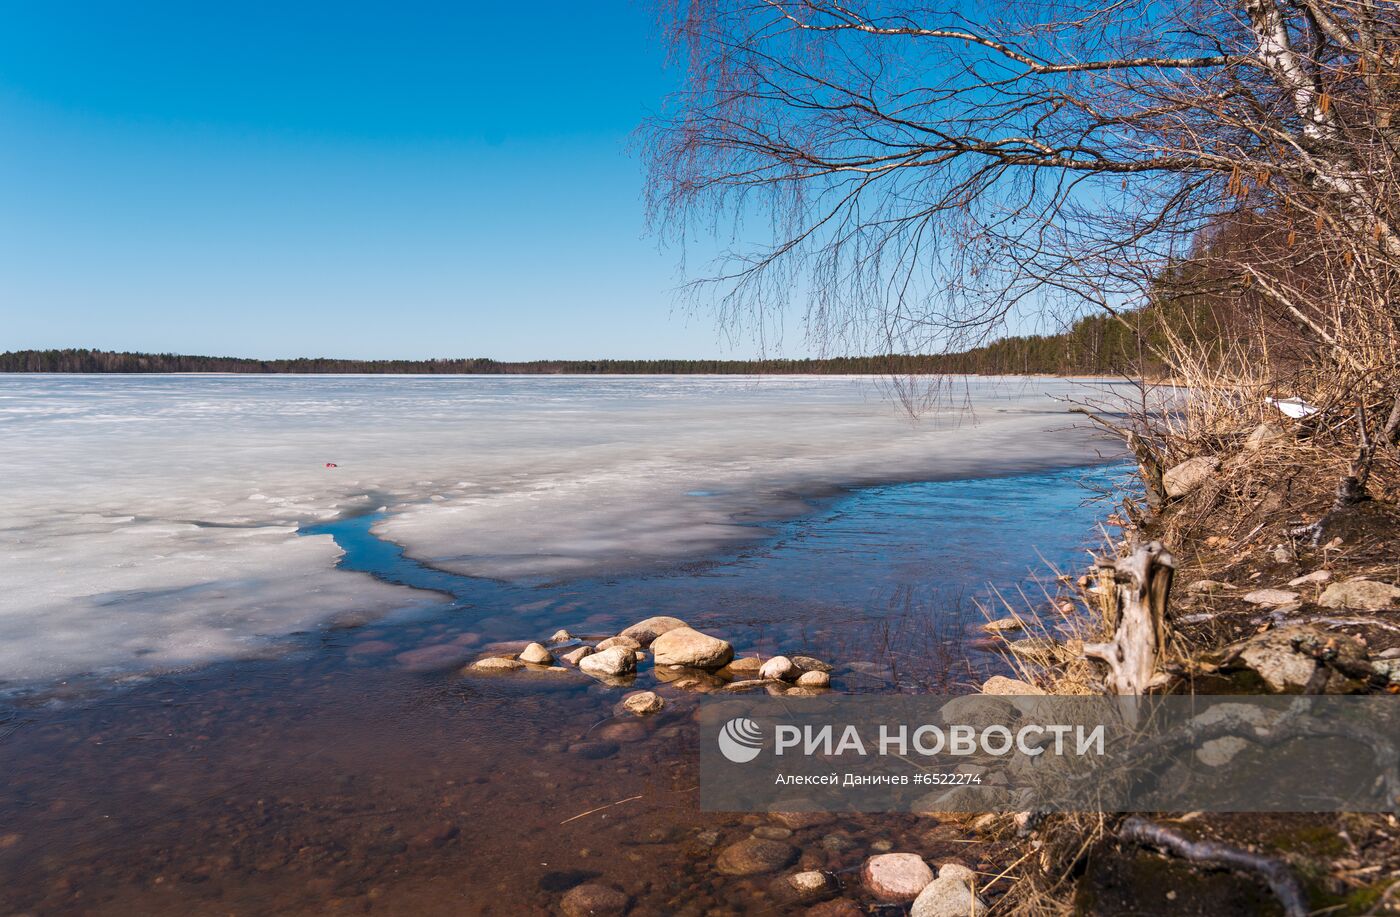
354	777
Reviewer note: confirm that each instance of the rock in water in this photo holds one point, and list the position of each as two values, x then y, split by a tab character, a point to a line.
1359	594
811	664
950	895
617	661
1181	479
896	876
573	656
592	900
805	887
814	680
778	667
496	664
561	636
629	642
642	703
686	646
745	665
646	631
536	655
841	907
1002	625
754	855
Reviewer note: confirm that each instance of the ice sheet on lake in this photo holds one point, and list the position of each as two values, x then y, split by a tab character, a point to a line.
149	521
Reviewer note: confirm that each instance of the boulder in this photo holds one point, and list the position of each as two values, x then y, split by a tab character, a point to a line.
754	855
648	630
630	643
814	680
592	900
617	661
778	667
1270	597
573	656
642	703
562	636
536	655
496	664
950	895
685	646
896	876
1271	655
1362	594
1181	479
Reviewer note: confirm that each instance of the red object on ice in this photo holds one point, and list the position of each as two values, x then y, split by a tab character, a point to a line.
332	465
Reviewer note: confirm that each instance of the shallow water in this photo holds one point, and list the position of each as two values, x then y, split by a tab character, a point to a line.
338	778
150	523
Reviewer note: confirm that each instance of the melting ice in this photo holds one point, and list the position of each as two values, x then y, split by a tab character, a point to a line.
149	522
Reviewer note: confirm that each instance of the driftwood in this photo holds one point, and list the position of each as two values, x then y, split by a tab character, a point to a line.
1135	590
1275	872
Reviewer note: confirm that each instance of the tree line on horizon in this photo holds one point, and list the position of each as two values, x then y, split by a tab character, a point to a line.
1095	345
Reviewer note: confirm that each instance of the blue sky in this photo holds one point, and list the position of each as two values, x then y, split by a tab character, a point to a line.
349	179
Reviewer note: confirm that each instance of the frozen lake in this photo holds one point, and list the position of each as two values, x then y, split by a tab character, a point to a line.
151	523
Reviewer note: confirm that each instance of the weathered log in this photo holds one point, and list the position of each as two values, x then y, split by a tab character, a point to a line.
1137	612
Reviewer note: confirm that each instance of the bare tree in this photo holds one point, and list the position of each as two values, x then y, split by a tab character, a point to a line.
916	176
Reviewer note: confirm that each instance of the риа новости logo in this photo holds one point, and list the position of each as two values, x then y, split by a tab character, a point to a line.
740	740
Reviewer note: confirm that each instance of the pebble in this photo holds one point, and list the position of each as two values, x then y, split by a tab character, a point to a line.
643	703
591	900
896	876
814	680
806	887
950	895
561	636
1317	576
772	832
1270	597
626	642
810	664
754	855
630	731
496	664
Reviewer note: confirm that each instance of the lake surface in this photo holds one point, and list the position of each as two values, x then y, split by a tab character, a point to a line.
275	741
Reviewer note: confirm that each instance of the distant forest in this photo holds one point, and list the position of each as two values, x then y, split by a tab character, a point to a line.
1098	345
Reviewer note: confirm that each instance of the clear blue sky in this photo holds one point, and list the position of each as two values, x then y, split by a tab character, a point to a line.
352	179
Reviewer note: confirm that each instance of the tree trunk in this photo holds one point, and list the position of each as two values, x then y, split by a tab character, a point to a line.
1137	612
